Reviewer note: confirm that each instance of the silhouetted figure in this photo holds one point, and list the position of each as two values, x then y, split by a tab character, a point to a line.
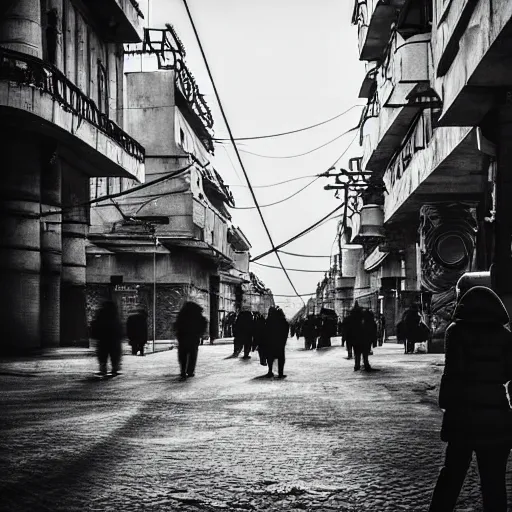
381	329
327	329
369	334
357	337
137	330
298	328
243	334
411	328
309	332
477	417
258	339
190	326
106	328
276	335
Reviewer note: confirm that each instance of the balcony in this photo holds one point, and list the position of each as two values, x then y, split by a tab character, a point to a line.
122	19
37	96
402	82
374	19
370	80
449	168
177	212
472	57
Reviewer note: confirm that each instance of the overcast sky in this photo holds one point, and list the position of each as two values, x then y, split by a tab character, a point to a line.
278	65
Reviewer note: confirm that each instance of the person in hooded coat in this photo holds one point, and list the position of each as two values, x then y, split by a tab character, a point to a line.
310	333
190	326
106	328
276	335
411	328
137	330
243	333
355	337
477	416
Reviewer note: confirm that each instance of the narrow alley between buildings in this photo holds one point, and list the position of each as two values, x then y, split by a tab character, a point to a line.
326	438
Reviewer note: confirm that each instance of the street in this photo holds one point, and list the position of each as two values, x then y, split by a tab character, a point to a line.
325	438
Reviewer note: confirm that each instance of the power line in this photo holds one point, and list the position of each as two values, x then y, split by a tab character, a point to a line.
235	147
118	194
303	255
302	295
278	183
298	235
293	131
305	153
277	202
292	269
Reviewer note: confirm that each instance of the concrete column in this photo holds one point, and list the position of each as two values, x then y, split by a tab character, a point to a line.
412	266
20	29
20	257
501	270
51	248
56	6
75	191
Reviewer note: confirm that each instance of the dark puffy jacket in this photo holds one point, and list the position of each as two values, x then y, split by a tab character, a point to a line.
478	361
190	325
137	328
276	331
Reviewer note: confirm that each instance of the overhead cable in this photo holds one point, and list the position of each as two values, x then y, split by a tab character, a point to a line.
292	269
118	194
279	182
298	235
303	255
235	147
305	153
282	134
277	202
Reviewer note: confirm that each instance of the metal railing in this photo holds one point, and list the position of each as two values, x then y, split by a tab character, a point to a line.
27	70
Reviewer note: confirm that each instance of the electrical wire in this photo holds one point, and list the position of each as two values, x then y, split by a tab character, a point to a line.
297	236
118	194
277	202
303	255
292	131
292	269
235	147
300	296
305	153
279	182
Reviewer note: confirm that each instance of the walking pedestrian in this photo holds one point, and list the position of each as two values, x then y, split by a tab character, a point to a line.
309	332
411	327
190	326
327	329
137	330
477	416
370	329
358	336
106	328
381	329
259	337
276	335
352	326
243	331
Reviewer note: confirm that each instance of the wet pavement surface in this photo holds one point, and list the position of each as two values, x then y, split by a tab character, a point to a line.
326	438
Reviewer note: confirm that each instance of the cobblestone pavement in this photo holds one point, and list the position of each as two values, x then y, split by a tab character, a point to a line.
325	438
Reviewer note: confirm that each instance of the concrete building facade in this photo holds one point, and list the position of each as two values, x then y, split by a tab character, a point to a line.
61	122
435	140
172	240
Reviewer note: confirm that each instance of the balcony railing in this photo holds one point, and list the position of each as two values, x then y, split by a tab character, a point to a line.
27	70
